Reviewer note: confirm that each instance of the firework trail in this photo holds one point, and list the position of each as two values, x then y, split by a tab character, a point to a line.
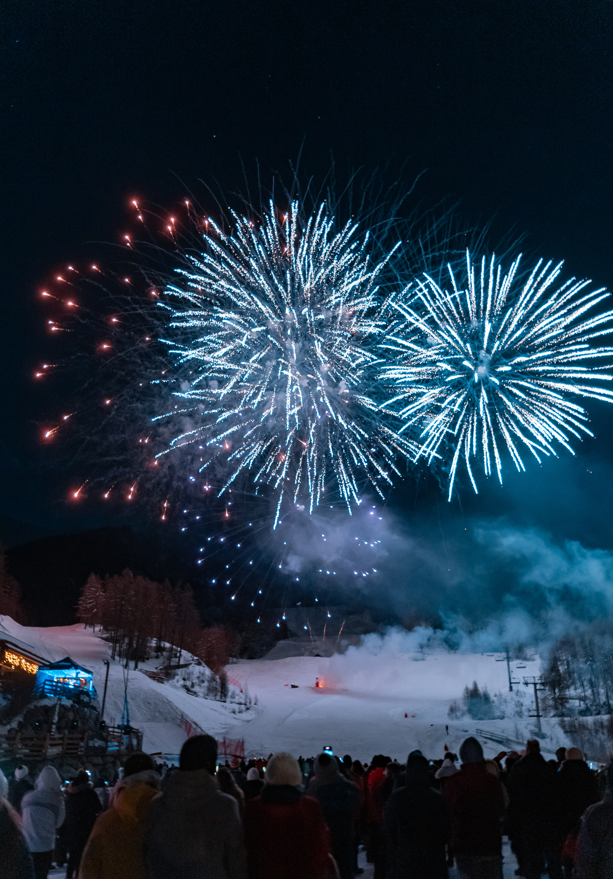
491	362
272	330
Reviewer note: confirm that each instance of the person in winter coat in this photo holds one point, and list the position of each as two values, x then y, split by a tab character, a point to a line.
476	806
375	804
82	809
531	817
285	831
253	785
447	769
227	785
416	827
115	849
42	811
595	844
15	859
193	829
340	801
19	785
577	789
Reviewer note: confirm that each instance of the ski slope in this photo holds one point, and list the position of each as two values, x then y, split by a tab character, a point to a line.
360	707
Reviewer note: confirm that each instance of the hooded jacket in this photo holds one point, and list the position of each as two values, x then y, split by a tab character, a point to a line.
82	808
340	803
476	806
194	830
417	828
42	811
115	849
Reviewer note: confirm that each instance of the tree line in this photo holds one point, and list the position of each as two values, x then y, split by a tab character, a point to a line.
142	618
578	679
10	594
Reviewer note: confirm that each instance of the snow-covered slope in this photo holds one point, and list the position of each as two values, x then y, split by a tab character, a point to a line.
361	708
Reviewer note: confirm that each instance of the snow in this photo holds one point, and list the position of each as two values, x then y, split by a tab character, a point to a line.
360	709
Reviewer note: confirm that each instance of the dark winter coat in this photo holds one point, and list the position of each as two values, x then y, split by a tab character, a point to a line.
194	831
532	790
253	788
340	803
376	795
476	806
82	809
17	790
595	849
417	830
15	859
286	835
577	788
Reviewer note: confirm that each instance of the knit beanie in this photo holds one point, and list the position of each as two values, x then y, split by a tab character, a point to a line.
282	768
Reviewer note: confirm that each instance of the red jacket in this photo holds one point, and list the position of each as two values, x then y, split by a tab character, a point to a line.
376	780
476	805
286	835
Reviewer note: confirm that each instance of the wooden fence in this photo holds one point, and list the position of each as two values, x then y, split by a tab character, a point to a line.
113	740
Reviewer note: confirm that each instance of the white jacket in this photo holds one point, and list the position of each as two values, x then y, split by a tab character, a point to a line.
42	811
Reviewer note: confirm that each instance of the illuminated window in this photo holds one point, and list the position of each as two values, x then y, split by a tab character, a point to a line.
15	660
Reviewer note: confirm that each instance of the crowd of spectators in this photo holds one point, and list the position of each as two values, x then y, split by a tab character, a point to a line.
287	818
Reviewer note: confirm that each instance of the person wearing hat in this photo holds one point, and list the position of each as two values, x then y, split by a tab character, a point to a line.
82	809
285	831
340	802
417	826
577	788
193	829
115	846
254	784
533	786
476	807
19	785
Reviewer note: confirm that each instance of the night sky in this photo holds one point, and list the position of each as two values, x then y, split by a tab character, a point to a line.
507	107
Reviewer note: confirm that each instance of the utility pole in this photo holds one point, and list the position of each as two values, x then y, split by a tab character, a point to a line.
508	659
106	681
536	683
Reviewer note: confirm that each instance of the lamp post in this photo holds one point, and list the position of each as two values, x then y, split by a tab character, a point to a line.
106	681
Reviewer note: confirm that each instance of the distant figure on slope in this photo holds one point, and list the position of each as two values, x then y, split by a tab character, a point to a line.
115	847
285	831
43	813
193	829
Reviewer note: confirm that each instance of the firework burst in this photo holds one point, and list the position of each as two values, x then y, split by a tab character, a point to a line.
272	331
492	362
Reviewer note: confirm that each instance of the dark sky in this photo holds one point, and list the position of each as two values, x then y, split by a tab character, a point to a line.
507	105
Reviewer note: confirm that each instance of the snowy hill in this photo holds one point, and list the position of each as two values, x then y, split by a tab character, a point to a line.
360	709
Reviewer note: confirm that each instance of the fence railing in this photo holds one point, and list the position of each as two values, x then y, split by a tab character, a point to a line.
58	690
112	740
